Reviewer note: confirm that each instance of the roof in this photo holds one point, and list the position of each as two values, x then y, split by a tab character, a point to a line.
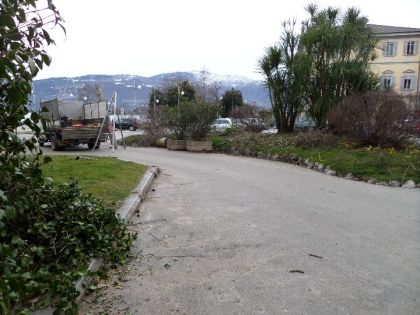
386	29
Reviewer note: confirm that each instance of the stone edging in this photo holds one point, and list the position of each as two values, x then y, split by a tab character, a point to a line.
293	159
129	206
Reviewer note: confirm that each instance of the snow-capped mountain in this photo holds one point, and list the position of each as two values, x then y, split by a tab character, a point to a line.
226	79
133	90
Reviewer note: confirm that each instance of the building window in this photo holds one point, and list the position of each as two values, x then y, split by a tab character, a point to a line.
407	84
390	49
388	79
410	48
408	81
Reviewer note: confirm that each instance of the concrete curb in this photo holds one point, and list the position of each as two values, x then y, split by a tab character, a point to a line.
129	206
319	167
127	209
132	202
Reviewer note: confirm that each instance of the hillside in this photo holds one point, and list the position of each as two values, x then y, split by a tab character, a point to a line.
134	90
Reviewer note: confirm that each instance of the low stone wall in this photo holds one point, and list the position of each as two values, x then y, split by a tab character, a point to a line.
199	146
176	145
319	167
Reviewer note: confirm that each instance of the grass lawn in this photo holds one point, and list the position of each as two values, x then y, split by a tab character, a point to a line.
366	162
108	179
132	140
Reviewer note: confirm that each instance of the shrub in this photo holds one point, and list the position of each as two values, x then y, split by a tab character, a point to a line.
177	119
202	115
374	118
315	139
48	232
153	128
191	120
131	141
220	144
45	246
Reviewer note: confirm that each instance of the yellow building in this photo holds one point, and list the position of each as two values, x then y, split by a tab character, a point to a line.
398	62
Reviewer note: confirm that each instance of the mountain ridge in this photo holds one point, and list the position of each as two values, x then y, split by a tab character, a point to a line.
134	90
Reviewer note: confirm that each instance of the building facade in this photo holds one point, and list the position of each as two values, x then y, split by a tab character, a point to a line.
398	62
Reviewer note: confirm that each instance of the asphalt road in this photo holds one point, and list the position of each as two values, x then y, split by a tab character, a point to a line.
233	235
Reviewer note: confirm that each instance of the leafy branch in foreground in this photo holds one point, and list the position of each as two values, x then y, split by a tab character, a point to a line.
53	239
48	232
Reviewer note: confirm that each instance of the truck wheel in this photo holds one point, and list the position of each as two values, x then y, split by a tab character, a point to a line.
91	145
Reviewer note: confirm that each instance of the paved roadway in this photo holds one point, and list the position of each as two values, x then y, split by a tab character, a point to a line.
233	235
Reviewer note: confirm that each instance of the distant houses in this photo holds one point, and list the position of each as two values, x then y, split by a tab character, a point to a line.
398	62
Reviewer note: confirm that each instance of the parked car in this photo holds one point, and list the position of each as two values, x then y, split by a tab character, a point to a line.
127	124
221	124
304	123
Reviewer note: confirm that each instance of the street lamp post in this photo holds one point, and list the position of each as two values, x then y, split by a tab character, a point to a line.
155	101
231	97
180	92
220	107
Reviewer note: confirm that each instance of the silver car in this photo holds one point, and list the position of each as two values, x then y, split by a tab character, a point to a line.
221	124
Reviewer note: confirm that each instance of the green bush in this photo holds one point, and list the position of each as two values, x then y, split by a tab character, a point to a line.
220	143
46	244
132	140
202	116
48	232
192	120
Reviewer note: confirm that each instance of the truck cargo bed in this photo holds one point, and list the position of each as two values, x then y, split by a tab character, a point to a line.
68	133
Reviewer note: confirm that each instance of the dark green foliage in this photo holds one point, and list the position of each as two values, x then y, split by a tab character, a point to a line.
201	115
191	120
46	244
177	119
314	71
286	72
157	97
340	49
183	91
230	99
220	143
46	231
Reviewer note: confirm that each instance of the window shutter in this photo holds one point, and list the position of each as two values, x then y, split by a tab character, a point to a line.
402	83
392	81
395	49
413	82
416	45
405	48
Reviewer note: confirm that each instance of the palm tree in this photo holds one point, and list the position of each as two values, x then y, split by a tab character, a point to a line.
340	49
283	68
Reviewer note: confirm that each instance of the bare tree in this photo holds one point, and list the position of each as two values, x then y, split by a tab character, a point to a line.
214	91
201	86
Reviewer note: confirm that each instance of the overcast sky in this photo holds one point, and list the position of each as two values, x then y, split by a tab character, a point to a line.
150	37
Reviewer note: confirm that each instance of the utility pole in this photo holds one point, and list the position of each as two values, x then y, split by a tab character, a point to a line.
135	96
231	97
180	92
178	96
